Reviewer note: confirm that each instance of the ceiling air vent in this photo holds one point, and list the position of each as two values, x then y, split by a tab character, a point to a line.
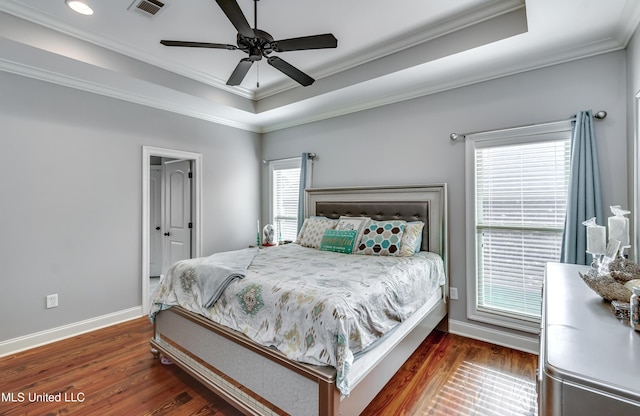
147	8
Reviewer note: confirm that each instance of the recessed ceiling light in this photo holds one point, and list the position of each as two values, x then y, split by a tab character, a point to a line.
80	6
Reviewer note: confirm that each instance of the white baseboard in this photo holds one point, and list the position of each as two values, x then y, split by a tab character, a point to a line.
12	346
37	339
505	339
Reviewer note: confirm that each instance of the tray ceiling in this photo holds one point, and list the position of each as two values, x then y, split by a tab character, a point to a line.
386	51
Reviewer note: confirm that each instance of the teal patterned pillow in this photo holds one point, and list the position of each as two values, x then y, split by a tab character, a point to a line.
382	238
353	223
340	241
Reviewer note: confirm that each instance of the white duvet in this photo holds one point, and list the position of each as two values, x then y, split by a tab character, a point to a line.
314	306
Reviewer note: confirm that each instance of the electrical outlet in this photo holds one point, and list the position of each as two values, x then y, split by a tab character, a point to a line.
453	293
52	301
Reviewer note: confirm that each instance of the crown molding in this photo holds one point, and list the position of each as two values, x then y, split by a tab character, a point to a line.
34	16
416	91
415	37
407	93
628	26
118	93
343	101
406	41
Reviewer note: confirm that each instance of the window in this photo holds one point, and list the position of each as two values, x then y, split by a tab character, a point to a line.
517	185
285	185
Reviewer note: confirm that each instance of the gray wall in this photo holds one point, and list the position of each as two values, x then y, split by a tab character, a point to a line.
71	174
70	180
408	142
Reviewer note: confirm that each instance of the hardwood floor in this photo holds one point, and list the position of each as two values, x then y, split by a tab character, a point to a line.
111	372
453	375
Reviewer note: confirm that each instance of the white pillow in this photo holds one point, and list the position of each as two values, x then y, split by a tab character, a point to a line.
353	223
304	226
313	229
411	239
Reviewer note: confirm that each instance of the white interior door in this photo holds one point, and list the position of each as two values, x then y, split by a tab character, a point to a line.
155	220
177	212
148	154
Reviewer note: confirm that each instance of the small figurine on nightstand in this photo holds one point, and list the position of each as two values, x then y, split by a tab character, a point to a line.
268	236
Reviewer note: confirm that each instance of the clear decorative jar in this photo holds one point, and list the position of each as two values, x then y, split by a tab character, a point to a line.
634	315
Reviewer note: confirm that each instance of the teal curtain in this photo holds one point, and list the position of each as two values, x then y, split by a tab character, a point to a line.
305	182
585	196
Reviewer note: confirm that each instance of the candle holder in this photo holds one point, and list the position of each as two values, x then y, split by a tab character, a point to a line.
611	275
596	241
610	256
621	253
619	228
596	261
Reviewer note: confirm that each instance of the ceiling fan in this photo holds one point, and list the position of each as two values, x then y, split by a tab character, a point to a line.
258	44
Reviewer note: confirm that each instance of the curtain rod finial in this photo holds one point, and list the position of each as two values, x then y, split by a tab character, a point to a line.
455	136
600	115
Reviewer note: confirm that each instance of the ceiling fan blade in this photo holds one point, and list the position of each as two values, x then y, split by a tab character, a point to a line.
306	42
235	15
240	72
197	44
290	71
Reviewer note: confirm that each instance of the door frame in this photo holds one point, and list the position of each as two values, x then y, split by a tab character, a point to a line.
196	207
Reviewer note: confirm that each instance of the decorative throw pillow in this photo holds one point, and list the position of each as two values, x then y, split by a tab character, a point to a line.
314	230
382	238
304	226
353	223
340	241
411	239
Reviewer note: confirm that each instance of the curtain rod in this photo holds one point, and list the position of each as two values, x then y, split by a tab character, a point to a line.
455	136
311	156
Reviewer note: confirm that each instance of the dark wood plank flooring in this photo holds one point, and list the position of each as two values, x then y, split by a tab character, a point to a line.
111	372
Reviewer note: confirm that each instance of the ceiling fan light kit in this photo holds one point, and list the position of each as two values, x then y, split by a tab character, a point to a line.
259	44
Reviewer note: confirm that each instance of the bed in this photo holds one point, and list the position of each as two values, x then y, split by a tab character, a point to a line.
259	379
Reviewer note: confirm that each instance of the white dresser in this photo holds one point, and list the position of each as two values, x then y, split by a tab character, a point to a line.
589	361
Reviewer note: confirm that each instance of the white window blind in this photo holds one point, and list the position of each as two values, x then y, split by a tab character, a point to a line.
285	182
520	191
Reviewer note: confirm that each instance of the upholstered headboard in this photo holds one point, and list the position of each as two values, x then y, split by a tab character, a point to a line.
379	211
426	203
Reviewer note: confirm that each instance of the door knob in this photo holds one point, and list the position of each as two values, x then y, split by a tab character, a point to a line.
167	234
158	228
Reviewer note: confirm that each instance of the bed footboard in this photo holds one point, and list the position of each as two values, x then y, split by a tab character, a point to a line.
261	381
236	369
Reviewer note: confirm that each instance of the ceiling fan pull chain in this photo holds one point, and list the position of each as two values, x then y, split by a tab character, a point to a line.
258	75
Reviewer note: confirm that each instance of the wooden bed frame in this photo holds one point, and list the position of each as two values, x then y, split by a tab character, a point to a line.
261	381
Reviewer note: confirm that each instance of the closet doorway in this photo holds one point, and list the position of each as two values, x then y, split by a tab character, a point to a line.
171	226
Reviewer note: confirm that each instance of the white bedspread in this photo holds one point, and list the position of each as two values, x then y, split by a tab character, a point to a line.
315	306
